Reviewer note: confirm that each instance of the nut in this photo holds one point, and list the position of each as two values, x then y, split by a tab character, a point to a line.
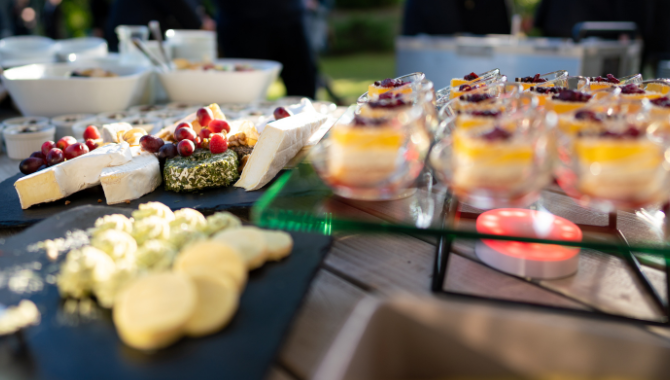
243	162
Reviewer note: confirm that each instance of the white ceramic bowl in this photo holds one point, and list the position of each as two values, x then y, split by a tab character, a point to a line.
23	50
115	116
74	49
48	90
149	124
21	144
198	86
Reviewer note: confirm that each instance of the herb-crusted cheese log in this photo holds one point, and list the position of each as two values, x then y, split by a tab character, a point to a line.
278	144
200	171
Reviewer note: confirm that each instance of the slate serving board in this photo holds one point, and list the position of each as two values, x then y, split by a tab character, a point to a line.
245	349
218	199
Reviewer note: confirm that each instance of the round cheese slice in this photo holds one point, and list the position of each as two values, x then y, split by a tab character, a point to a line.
152	311
214	258
249	242
279	244
218	298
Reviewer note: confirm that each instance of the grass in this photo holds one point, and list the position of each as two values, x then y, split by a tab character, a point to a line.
349	75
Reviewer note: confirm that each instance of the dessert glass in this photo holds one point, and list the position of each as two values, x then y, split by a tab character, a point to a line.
455	82
374	158
576	86
504	163
635	79
445	94
550	79
412	79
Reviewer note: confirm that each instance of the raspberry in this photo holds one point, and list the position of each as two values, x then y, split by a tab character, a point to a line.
217	143
471	76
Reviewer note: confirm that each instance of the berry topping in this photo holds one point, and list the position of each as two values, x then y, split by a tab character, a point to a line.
75	150
486	113
548	90
630	133
572	96
91	133
185	148
64	142
471	76
631	89
218	143
609	78
467	87
47	146
280	113
217	126
661	102
388	102
390	83
151	143
368	121
389	96
535	79
475	98
587	115
30	165
55	156
495	134
204	116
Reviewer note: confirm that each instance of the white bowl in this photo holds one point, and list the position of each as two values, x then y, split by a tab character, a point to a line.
149	124
22	145
74	49
116	116
23	50
199	86
48	90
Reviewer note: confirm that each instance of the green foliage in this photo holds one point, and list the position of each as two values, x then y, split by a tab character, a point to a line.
78	19
363	33
525	7
365	4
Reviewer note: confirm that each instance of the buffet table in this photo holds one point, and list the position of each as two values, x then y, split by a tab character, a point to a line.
361	265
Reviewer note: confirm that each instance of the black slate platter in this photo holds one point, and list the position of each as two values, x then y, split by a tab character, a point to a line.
223	198
245	349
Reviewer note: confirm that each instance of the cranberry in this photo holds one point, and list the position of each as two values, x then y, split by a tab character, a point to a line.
547	90
390	83
475	98
572	96
486	113
533	79
631	89
609	78
587	115
467	87
368	121
630	133
661	102
387	103
496	133
471	76
389	96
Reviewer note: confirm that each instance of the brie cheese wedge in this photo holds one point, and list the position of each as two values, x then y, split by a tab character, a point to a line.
111	133
131	180
277	145
59	181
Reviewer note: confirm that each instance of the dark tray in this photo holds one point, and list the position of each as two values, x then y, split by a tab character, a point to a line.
223	198
245	349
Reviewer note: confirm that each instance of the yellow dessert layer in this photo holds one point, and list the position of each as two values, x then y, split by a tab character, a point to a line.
499	153
366	138
374	91
560	106
467	121
660	111
658	87
456	82
379	113
603	150
600	85
648	95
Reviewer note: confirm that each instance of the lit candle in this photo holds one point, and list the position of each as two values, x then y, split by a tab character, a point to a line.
533	260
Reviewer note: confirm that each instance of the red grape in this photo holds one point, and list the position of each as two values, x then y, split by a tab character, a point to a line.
185	148
204	133
47	146
64	142
183	124
40	156
30	165
55	156
151	143
218	143
75	150
168	150
91	145
204	116
280	113
216	126
198	142
185	134
91	133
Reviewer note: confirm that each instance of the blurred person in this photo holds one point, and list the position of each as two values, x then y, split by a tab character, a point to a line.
443	17
6	21
171	14
53	19
270	29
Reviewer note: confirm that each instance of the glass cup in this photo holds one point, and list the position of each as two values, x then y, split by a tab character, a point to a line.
373	157
547	79
595	84
446	94
554	97
129	54
412	80
456	82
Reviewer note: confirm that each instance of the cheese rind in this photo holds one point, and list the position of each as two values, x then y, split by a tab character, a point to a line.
131	180
277	145
59	181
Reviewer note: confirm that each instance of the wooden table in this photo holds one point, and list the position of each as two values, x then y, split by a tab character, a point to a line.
360	265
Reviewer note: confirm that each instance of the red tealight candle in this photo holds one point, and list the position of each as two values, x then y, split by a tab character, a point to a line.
534	260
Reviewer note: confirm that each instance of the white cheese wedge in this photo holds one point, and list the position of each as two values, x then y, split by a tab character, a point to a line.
111	132
277	145
131	180
59	181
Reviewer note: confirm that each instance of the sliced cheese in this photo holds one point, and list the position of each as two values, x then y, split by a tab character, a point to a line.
59	181
112	133
277	145
131	180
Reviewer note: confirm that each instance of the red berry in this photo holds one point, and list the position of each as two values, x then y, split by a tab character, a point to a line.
64	142
91	145
185	134
217	143
204	116
91	133
75	150
217	126
185	148
47	146
55	156
151	143
183	124
204	133
30	165
280	113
